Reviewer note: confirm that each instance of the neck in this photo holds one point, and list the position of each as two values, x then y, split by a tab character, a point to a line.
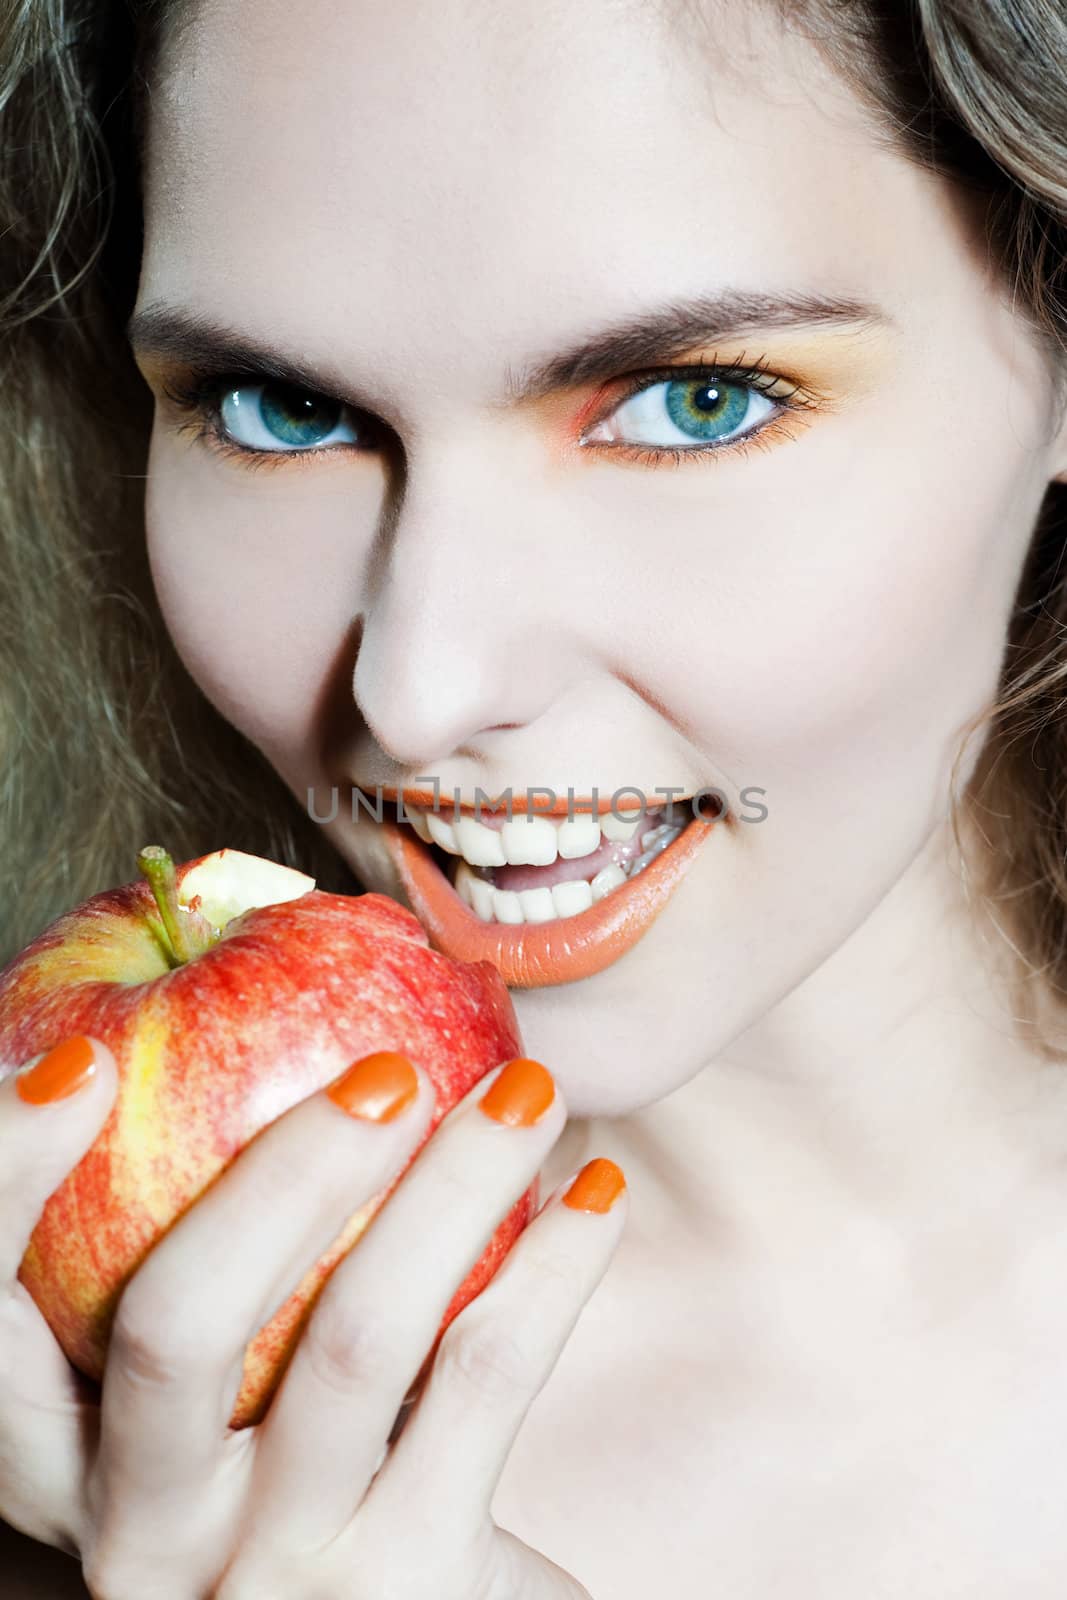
894	1081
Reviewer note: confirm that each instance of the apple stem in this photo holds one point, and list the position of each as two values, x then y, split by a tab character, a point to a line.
189	932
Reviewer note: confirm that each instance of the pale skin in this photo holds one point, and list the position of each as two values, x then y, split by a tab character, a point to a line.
827	1356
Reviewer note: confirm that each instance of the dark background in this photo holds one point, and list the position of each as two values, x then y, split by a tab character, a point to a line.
32	1571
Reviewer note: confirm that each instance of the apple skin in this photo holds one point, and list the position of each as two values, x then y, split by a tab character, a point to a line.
211	1052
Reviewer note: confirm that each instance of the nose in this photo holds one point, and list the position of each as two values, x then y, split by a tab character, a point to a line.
473	626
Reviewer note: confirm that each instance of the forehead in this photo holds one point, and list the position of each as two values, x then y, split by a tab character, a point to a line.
464	172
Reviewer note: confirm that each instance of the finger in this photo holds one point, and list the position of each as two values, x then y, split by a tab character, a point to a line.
381	1310
496	1357
51	1111
178	1342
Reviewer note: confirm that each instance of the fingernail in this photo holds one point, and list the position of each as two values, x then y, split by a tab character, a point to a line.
596	1187
377	1087
62	1072
521	1094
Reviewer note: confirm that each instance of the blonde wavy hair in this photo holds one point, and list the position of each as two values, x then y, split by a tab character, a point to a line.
106	741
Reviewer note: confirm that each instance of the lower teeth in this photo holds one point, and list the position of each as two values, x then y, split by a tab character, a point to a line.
543	905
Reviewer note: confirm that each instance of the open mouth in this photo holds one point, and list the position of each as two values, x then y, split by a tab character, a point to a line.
546	902
564	887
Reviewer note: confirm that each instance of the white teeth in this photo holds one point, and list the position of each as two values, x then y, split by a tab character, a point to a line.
607	878
529	842
506	906
474	892
479	845
483	897
462	884
571	898
442	833
420	824
537	905
655	834
578	838
621	832
546	904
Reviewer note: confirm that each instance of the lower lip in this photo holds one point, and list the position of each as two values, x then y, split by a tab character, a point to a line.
535	955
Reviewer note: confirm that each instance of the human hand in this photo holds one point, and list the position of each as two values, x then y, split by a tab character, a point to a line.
154	1491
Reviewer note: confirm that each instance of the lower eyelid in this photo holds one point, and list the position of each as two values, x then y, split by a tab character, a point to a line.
205	427
790	395
646	417
200	416
786	425
764	437
202	429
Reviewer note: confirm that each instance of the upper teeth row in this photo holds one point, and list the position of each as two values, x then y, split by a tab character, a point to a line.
525	840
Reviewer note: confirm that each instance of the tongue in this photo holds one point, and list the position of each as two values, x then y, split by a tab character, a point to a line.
561	871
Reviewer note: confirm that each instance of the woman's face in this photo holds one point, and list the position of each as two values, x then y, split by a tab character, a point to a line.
419	205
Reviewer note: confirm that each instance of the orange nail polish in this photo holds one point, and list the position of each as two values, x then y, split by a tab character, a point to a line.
377	1087
596	1187
521	1094
62	1072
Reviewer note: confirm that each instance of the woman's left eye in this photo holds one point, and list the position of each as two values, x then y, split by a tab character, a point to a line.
274	416
688	412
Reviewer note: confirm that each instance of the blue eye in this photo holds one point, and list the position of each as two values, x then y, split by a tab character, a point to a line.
275	416
689	412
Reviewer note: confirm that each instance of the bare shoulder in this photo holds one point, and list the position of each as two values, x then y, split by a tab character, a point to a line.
31	1570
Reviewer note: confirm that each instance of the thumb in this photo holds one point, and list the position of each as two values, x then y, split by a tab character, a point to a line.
51	1111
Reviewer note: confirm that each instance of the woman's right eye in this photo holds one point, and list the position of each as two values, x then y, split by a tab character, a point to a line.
278	417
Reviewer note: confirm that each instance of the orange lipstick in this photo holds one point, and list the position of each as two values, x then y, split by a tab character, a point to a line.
535	955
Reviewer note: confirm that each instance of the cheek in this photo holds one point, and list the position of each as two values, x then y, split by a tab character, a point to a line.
845	614
891	605
848	615
258	579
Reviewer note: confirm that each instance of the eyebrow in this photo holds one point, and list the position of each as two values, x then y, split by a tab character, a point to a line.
648	338
644	339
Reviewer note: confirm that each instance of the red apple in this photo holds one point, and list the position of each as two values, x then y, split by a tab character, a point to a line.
228	990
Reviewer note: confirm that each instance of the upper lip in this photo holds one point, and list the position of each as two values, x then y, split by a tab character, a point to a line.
424	800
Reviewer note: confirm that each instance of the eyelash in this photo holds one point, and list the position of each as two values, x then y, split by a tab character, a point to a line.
755	375
200	393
